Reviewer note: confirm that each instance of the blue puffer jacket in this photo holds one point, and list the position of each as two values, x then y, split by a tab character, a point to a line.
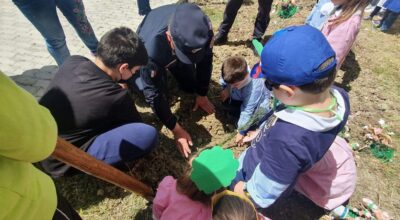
393	5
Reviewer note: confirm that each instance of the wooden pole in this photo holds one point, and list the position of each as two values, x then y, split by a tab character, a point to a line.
82	161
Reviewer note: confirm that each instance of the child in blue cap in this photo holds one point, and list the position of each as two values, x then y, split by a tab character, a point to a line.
300	68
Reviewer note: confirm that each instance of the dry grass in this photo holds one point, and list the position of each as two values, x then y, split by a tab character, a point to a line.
371	74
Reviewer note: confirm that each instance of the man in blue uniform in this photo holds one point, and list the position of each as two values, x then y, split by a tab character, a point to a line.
178	39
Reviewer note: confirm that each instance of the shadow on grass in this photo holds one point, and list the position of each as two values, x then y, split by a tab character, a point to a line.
83	191
35	81
144	214
296	207
351	69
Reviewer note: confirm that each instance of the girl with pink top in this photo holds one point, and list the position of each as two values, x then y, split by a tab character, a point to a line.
340	22
189	197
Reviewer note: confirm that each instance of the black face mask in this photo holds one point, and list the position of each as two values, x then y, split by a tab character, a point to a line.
125	80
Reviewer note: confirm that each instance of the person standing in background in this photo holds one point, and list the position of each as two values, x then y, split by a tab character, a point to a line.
231	10
43	15
144	7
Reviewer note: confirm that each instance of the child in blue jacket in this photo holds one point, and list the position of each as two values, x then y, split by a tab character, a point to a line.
246	97
300	68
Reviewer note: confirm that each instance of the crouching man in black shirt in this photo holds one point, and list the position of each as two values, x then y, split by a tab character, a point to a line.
91	108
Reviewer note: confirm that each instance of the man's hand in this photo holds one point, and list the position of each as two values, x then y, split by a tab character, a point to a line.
224	94
239	188
204	103
183	140
250	136
239	139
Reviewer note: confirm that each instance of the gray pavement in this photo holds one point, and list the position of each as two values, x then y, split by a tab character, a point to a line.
23	53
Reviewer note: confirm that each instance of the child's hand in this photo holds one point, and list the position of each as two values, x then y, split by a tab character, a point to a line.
239	188
250	136
239	139
224	94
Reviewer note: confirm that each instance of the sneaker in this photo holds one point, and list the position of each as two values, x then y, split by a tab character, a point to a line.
367	17
220	39
369	8
376	23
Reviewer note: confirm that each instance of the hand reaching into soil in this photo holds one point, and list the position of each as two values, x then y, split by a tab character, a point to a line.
183	140
204	103
224	94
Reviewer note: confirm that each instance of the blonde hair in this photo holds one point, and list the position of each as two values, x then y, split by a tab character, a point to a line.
348	9
228	205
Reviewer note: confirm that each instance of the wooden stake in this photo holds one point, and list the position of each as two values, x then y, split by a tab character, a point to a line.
82	161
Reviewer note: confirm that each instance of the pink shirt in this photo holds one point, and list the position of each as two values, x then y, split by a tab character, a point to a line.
171	205
341	37
332	180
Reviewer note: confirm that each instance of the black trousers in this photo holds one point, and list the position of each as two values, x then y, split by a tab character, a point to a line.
262	19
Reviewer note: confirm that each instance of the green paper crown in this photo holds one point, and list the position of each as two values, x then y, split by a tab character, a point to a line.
213	169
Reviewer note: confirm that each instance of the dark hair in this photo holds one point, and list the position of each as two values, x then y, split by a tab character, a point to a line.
234	69
230	207
320	85
122	45
187	187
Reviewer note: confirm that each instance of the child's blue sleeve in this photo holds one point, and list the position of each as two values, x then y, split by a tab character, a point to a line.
263	190
255	96
312	13
279	167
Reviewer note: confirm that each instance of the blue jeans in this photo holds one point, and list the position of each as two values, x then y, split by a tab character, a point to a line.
144	7
388	20
43	15
124	143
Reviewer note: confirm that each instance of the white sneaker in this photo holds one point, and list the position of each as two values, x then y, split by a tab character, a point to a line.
369	8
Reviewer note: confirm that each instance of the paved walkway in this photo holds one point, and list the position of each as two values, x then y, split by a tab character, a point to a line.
23	53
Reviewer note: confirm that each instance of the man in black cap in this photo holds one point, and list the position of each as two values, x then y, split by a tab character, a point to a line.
178	39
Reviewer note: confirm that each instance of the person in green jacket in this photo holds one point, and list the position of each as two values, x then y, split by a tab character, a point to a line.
28	134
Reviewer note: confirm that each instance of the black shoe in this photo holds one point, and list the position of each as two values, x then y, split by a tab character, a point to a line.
220	39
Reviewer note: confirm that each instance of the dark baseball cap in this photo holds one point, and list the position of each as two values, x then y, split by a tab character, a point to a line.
191	32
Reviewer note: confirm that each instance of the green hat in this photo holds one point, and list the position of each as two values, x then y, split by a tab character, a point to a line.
214	168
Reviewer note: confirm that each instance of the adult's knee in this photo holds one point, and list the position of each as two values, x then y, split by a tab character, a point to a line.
151	135
139	139
55	42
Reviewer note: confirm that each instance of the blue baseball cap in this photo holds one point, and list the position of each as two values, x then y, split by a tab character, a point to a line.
191	32
294	54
